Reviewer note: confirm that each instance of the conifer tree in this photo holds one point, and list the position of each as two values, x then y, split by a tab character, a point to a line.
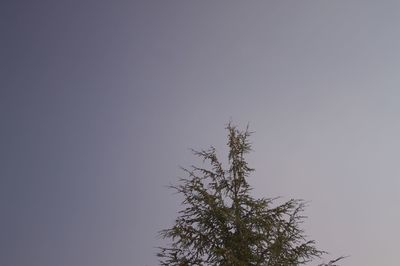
222	224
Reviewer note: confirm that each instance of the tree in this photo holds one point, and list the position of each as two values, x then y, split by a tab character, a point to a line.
222	224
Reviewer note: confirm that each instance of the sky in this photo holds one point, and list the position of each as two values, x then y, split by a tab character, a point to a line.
100	102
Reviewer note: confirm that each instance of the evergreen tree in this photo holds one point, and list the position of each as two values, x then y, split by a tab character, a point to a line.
222	224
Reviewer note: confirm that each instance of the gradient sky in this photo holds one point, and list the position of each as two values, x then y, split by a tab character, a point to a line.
100	101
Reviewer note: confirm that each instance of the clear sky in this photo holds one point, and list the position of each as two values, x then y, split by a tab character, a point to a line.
100	101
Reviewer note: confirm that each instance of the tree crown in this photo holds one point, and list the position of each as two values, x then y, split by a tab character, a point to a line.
222	224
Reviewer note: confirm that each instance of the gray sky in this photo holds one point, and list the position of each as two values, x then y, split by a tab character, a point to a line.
100	101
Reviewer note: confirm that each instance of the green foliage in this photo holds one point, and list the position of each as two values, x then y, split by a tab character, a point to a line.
222	224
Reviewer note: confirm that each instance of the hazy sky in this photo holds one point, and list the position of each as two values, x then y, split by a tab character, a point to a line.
100	101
